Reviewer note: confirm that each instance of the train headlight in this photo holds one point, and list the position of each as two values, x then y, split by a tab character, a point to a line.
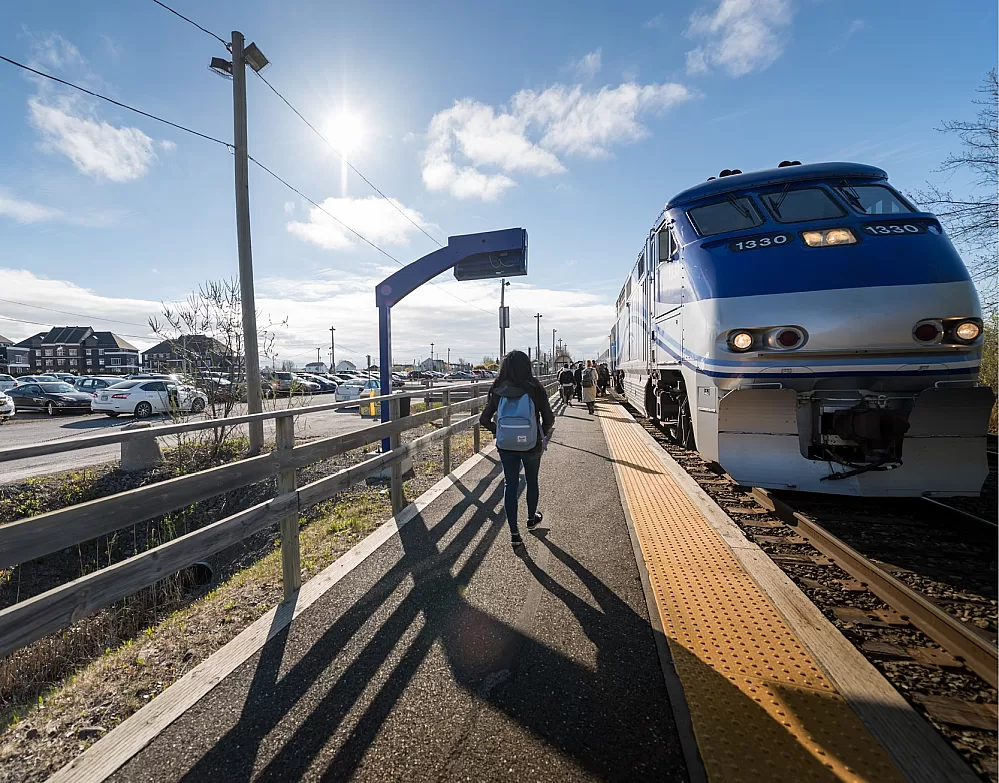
968	331
829	237
928	332
741	341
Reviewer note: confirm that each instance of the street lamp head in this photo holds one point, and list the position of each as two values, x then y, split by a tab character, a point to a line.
255	58
221	67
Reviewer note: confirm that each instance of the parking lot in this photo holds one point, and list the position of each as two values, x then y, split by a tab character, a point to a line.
27	428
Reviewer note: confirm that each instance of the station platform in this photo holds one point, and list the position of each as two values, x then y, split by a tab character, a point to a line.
625	642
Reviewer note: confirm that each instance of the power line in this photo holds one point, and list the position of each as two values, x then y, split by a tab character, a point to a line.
116	103
191	21
78	315
347	162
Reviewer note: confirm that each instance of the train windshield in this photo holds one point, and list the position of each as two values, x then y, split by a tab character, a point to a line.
792	206
873	199
733	214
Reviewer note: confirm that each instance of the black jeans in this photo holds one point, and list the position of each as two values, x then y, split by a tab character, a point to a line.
512	460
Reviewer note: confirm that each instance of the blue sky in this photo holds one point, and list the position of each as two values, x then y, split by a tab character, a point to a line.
575	120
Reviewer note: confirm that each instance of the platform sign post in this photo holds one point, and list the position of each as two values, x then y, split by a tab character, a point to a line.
483	256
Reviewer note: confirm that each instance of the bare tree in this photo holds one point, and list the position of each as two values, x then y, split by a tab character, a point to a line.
972	220
205	334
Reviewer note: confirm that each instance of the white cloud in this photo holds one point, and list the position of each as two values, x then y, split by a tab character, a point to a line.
70	125
856	26
582	317
26	211
531	132
166	145
289	207
739	36
587	67
373	217
655	23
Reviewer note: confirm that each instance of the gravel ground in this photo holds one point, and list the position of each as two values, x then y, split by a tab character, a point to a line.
942	556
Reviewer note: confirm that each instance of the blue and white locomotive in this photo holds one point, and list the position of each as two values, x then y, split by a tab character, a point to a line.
808	328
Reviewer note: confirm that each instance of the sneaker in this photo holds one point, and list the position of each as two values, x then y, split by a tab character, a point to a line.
534	521
516	540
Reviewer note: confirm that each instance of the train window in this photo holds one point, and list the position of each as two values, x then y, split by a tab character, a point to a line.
874	199
641	266
667	245
733	214
791	206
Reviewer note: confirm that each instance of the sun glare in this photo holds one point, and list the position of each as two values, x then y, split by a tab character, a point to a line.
346	132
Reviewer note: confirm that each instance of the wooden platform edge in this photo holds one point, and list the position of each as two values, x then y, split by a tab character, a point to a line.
113	750
915	747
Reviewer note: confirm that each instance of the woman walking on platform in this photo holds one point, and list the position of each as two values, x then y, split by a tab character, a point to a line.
519	415
588	382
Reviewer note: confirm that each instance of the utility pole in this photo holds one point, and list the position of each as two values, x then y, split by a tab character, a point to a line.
318	359
332	348
554	358
449	358
538	354
504	319
254	403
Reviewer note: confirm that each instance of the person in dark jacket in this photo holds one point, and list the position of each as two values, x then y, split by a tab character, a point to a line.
577	376
515	379
567	385
603	379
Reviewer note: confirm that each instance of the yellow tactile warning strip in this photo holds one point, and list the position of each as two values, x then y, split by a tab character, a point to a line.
761	708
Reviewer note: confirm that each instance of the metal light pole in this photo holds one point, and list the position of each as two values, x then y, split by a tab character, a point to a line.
553	350
504	319
332	348
538	354
254	402
448	359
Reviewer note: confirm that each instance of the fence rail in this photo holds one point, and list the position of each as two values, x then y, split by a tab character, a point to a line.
44	534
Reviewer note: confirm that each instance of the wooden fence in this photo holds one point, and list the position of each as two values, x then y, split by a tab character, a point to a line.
44	534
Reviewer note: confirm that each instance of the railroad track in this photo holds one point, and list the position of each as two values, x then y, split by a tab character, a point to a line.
911	583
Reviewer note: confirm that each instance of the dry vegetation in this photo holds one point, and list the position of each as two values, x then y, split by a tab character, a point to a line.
62	693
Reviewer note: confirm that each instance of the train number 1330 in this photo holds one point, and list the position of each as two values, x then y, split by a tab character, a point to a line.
888	229
760	242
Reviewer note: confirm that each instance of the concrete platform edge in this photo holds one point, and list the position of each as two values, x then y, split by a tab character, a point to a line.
918	751
118	746
677	697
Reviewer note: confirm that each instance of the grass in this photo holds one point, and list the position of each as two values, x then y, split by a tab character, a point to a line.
47	727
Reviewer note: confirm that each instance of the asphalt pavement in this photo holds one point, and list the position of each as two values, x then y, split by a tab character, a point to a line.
28	428
446	656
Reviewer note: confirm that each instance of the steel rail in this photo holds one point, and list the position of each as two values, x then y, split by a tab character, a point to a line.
956	637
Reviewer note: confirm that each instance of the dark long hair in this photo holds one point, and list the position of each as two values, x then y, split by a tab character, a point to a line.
516	369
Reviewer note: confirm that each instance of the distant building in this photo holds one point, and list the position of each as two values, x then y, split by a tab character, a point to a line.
5	343
315	367
347	366
432	364
189	353
74	349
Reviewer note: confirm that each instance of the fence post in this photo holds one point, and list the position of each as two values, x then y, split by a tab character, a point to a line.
395	483
446	400
291	558
475	413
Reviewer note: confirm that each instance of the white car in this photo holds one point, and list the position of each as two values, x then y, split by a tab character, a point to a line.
351	390
143	398
7	409
7	382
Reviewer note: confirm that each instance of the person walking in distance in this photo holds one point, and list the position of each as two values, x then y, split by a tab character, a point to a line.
517	412
576	378
588	384
567	385
603	379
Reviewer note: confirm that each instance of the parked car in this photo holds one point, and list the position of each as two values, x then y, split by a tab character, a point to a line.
143	398
51	396
351	390
36	379
92	383
289	383
325	384
460	375
7	409
7	382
